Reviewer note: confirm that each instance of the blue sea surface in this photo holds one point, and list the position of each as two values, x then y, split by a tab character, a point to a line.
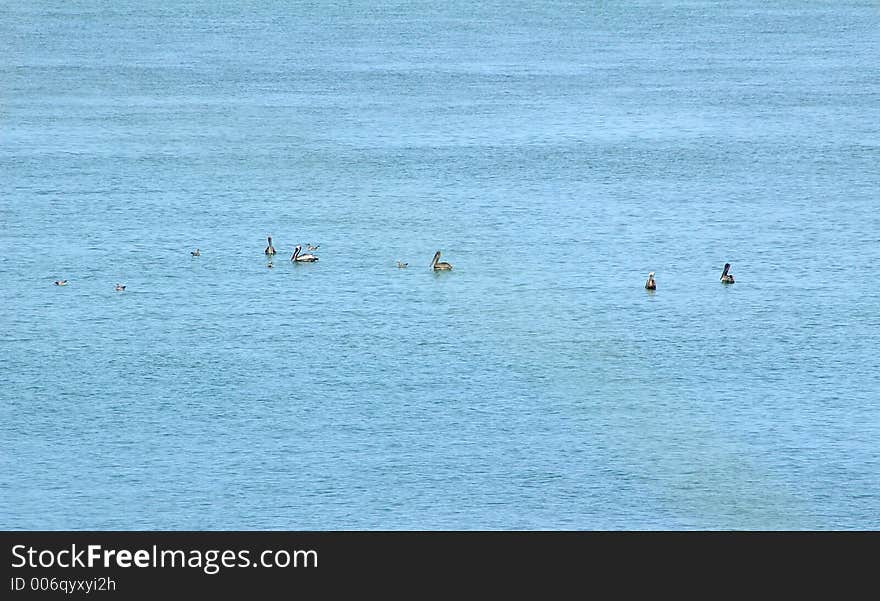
556	152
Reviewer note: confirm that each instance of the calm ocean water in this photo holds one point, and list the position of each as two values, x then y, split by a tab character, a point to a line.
556	152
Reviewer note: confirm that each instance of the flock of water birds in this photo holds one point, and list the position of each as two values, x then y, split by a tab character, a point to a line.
436	264
297	257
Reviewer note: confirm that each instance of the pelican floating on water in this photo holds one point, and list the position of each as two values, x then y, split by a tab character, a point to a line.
61	282
270	250
437	264
651	284
727	278
196	253
120	288
298	258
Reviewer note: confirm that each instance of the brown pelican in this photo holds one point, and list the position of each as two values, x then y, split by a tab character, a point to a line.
651	284
310	247
727	278
298	258
196	253
270	250
402	265
437	264
120	288
61	282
